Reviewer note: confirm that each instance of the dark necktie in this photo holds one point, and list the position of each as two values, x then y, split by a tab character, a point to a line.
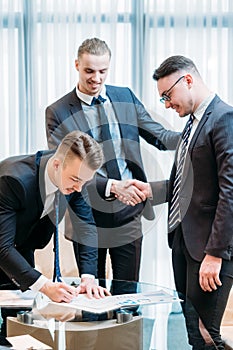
106	137
174	212
56	272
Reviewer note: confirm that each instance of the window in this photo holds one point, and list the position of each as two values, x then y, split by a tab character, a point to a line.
39	41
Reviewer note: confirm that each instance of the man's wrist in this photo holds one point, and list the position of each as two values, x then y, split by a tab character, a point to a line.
40	282
113	187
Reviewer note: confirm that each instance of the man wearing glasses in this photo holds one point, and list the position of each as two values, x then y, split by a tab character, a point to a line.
166	96
199	194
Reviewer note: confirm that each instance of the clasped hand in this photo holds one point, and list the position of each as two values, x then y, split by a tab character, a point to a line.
131	192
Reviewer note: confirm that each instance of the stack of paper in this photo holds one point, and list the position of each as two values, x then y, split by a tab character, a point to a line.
98	306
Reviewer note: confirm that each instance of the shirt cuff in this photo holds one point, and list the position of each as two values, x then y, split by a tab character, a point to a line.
39	283
87	275
108	188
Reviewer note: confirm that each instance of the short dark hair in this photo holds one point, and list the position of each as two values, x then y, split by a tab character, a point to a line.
173	64
80	144
94	46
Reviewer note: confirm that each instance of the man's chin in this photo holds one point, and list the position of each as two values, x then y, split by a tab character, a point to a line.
67	191
70	191
95	90
182	115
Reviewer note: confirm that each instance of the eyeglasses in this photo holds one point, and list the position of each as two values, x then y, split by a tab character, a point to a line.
165	96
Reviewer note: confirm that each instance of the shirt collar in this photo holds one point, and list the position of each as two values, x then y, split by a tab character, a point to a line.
202	107
49	186
88	98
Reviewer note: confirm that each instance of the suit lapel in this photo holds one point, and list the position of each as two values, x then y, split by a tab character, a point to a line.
197	131
122	109
41	161
201	124
116	105
77	114
127	130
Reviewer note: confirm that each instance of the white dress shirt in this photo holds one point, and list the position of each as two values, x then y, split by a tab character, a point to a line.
93	123
50	190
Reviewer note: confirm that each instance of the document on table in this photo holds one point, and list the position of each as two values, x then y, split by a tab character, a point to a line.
27	342
16	298
82	302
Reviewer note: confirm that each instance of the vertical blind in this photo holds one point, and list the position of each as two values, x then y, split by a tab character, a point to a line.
39	41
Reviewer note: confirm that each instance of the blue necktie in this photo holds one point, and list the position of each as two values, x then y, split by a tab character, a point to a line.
56	272
108	148
174	216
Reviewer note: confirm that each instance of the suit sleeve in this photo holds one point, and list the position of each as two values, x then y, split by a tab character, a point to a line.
12	262
153	132
159	192
54	131
60	120
84	232
220	242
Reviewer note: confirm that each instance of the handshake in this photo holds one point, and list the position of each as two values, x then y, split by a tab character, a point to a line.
131	192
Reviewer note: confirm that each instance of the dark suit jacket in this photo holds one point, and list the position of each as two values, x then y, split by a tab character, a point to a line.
66	115
206	196
22	194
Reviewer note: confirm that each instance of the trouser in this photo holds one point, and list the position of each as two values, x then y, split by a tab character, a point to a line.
5	312
125	261
200	307
6	283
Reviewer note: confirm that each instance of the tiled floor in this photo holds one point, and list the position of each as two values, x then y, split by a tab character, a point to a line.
176	333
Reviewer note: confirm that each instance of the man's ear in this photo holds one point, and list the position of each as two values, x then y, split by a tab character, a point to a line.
189	79
77	64
56	163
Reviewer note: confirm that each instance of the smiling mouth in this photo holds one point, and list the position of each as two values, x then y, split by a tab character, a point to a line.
95	86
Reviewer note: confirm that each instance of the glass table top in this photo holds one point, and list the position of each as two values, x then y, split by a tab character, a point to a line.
158	326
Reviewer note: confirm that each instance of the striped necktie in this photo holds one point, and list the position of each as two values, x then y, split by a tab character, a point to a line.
174	216
56	272
111	164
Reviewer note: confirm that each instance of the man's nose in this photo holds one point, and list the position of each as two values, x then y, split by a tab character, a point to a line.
78	187
96	77
167	104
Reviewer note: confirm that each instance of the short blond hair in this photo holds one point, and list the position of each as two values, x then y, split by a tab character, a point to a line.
94	46
81	145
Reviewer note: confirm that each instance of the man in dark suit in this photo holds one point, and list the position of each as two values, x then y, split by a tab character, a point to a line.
119	226
200	200
28	184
